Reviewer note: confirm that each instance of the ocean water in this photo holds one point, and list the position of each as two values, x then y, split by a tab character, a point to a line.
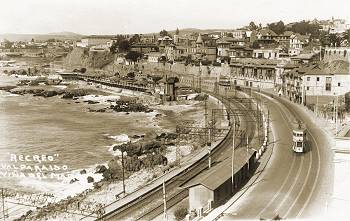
37	127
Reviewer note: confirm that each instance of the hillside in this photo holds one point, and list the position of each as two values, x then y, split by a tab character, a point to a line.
41	37
187	31
82	57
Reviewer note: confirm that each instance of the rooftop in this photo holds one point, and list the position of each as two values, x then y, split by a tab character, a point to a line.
325	68
254	61
220	171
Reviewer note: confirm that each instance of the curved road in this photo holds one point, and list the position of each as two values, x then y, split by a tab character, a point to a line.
292	185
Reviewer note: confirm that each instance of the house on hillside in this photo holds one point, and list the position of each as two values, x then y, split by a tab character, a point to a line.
223	46
296	44
237	51
264	37
144	47
154	57
266	53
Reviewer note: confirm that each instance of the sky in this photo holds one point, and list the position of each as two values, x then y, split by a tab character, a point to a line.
145	16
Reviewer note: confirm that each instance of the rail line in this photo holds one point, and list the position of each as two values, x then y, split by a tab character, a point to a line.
175	194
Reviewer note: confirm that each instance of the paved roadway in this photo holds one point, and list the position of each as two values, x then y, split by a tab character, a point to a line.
151	205
292	185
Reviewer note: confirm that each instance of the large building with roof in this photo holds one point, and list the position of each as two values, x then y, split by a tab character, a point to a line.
254	72
214	186
326	78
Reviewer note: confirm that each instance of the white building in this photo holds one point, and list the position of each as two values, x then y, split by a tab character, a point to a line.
267	53
239	34
296	44
154	57
327	79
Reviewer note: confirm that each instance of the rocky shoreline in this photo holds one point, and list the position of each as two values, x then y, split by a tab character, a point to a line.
146	155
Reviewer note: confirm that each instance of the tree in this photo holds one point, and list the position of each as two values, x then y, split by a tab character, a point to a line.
123	45
229	34
304	27
7	43
278	27
324	39
133	55
163	33
131	75
255	45
135	39
252	26
177	32
347	35
335	39
114	47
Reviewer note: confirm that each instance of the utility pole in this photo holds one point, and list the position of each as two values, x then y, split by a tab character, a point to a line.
200	76
247	148
123	170
207	143
336	114
206	119
209	154
268	125
178	159
258	119
233	157
316	99
3	203
164	200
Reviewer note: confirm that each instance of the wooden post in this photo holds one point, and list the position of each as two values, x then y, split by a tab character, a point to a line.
164	200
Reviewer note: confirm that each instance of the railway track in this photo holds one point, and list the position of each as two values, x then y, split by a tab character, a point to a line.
150	205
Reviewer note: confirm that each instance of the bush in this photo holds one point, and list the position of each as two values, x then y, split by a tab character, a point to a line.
90	179
180	213
114	171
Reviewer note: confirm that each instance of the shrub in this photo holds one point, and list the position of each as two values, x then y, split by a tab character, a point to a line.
180	213
90	179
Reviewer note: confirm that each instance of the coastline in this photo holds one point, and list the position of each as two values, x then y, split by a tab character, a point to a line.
157	117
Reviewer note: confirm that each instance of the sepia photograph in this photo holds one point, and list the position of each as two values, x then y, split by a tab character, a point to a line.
182	110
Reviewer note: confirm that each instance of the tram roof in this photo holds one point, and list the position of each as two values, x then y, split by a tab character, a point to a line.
299	128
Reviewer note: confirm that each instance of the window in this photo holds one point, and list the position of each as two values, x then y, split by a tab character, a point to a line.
308	78
338	84
328	83
299	144
318	79
307	88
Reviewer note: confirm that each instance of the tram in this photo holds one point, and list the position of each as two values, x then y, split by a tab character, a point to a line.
299	138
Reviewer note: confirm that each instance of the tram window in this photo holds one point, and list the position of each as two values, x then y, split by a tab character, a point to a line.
299	144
